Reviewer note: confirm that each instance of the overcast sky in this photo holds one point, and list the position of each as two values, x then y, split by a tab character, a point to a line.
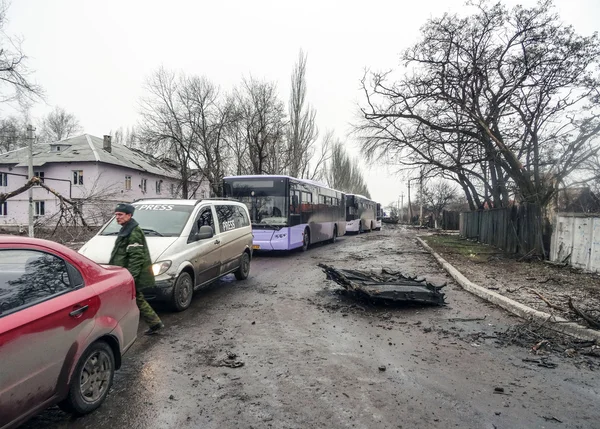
92	57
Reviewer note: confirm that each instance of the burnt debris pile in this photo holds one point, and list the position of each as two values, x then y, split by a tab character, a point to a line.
388	286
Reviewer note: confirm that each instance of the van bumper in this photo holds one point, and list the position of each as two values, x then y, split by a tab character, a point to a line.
162	291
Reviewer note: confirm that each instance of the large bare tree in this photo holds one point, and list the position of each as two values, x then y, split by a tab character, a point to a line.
343	172
59	124
261	115
504	102
15	76
302	131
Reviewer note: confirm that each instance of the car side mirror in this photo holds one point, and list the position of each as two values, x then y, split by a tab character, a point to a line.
205	232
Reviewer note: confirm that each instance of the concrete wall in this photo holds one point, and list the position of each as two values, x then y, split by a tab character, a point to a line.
576	240
103	186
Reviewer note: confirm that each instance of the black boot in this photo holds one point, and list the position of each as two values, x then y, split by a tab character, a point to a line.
154	329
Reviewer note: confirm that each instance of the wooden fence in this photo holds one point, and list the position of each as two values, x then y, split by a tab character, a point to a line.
518	229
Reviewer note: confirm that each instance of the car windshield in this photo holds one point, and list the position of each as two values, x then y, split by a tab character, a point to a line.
156	220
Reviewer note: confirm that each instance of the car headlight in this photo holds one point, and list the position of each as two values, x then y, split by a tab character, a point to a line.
160	267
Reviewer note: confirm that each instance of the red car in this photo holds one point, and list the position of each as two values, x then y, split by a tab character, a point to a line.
65	322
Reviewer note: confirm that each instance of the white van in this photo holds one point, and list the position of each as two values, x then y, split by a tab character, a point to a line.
191	243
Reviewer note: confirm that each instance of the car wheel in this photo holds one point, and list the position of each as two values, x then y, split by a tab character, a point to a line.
182	292
91	381
334	238
305	240
244	269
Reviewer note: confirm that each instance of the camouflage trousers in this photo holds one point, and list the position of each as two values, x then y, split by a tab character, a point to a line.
147	313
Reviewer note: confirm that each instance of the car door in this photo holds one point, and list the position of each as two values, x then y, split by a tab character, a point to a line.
46	315
231	221
205	254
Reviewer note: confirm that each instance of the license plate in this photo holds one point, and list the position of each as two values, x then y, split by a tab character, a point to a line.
255	247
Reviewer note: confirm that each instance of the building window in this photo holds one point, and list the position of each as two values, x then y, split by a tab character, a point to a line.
3	209
78	177
172	189
39	174
143	185
158	186
3	179
127	183
40	208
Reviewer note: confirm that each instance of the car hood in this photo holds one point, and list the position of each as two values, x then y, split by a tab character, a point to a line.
99	248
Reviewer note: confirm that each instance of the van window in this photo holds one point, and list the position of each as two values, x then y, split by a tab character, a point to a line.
231	217
205	218
161	220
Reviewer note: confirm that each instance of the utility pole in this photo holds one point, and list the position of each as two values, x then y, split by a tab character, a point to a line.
410	213
30	137
402	206
421	198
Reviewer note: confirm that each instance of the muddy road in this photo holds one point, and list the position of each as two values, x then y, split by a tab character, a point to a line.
285	350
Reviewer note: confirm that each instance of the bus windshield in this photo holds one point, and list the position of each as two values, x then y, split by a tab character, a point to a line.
265	198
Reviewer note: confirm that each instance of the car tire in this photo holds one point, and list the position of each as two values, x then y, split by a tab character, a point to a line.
92	379
182	292
305	240
244	269
334	238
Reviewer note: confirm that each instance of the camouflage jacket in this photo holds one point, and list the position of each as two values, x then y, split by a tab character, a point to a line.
131	252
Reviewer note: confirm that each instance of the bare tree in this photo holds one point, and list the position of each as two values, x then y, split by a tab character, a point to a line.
437	195
126	137
15	83
12	134
163	127
343	172
302	131
58	125
262	121
502	102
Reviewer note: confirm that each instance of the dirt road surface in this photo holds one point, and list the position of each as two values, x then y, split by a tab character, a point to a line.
313	358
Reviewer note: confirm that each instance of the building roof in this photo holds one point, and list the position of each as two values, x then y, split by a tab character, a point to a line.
88	148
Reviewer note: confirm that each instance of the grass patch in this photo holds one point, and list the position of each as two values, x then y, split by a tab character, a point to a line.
453	244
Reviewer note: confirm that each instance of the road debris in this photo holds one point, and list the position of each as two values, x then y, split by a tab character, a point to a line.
386	286
229	361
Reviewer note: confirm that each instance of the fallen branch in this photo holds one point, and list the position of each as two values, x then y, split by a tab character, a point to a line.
590	321
554	306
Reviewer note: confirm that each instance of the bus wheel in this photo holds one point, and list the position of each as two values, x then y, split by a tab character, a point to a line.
305	240
334	238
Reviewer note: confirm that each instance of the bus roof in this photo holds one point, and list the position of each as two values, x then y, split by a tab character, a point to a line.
282	176
361	196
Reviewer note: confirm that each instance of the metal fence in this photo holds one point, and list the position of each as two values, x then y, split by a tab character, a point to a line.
450	220
576	240
518	229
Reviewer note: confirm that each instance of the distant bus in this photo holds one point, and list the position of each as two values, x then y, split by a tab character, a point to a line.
289	213
361	213
380	215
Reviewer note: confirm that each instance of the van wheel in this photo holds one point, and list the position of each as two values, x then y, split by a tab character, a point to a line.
334	238
182	292
244	269
305	240
91	381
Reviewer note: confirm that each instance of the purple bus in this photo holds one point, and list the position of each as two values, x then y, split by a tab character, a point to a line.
289	213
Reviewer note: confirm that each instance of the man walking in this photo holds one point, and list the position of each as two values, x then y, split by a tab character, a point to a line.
131	252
